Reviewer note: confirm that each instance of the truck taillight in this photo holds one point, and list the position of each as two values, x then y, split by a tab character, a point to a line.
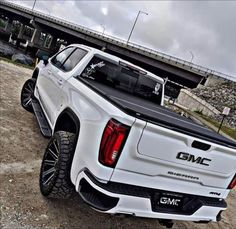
113	140
232	183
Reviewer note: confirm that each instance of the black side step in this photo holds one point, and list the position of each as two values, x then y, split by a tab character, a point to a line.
42	121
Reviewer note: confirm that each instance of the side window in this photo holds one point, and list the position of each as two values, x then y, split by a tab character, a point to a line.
73	59
59	59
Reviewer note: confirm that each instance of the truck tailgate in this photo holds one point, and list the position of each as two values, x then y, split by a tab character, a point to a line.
184	151
153	161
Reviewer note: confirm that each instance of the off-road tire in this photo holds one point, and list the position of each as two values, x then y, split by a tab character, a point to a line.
59	185
27	94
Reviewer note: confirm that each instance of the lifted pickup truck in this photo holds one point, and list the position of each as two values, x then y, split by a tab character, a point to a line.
113	141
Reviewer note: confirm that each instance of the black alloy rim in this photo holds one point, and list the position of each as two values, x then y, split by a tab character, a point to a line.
27	94
50	163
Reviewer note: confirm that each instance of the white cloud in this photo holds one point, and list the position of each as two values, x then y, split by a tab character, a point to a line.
104	10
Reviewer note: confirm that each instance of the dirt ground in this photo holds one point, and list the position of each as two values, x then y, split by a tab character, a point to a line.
21	149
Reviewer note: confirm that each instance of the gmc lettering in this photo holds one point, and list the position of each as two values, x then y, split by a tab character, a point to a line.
169	201
191	158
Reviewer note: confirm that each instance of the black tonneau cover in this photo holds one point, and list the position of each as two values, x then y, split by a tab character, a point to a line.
160	115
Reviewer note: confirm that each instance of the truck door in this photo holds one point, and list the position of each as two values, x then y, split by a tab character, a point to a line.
58	71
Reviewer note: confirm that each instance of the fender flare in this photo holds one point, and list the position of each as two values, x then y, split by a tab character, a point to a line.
68	111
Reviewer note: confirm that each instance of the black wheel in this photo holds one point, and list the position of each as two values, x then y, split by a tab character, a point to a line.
27	93
54	177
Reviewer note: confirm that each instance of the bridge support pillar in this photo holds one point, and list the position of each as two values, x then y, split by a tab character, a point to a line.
35	39
53	44
21	32
8	27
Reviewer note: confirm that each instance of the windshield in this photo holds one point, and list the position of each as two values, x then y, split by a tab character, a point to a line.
124	78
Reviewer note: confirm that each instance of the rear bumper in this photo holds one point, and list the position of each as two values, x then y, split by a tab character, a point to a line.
117	198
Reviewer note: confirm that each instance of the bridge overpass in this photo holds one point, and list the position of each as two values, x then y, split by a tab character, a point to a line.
180	73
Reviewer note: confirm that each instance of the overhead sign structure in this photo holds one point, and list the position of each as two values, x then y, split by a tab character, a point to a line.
226	111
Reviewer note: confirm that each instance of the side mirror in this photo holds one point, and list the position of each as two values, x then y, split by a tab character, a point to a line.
45	59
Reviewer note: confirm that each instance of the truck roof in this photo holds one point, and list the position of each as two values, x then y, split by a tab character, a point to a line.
116	59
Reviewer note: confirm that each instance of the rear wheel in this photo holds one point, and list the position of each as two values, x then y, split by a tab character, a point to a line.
56	165
27	94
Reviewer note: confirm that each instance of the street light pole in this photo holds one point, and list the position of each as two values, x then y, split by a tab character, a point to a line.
34	4
192	56
32	20
103	29
135	24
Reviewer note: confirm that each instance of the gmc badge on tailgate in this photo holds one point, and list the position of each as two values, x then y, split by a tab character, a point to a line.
191	158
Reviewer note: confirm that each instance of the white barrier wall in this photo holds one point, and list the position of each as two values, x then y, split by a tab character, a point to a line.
194	103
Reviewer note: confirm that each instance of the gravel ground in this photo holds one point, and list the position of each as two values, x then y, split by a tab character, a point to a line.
21	149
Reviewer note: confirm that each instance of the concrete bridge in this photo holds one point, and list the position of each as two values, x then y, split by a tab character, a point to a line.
180	73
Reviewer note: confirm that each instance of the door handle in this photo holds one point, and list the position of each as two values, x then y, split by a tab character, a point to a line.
49	72
60	82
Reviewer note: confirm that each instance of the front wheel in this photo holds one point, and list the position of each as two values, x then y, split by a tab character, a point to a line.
54	178
27	94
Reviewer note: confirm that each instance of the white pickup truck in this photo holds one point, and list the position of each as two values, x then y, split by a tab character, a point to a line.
113	141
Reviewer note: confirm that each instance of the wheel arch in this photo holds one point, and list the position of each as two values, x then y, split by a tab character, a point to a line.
68	121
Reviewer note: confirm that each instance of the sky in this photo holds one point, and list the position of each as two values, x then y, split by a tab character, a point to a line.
203	32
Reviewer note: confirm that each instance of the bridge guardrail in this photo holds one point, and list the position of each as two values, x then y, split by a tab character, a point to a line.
204	71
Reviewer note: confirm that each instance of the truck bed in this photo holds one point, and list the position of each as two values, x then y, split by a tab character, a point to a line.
157	114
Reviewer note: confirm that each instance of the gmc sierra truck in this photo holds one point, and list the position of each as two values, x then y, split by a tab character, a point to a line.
113	141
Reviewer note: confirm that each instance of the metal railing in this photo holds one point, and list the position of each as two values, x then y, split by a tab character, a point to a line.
204	71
